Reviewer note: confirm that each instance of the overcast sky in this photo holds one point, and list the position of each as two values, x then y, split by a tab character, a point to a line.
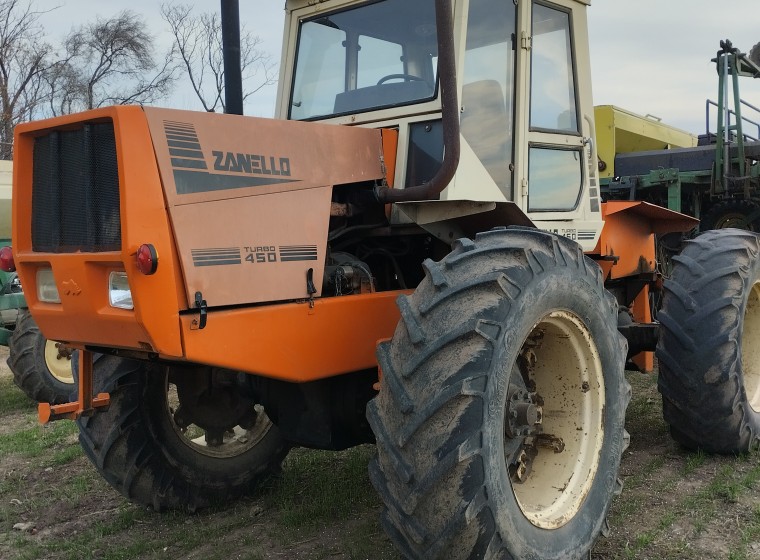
648	56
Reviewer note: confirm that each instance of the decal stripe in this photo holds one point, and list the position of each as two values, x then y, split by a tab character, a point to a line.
187	181
292	253
189	163
188	145
217	263
217	250
179	152
216	257
181	137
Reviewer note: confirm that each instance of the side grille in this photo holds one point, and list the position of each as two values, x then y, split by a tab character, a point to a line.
75	191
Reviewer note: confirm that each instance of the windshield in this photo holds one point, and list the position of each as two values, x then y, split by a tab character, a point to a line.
378	55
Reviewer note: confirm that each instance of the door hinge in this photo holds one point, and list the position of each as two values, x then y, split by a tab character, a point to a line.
524	186
526	41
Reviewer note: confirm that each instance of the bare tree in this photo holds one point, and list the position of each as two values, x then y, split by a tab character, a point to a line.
198	41
109	62
24	59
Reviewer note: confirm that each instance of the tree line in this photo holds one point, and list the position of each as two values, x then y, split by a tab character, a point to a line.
111	61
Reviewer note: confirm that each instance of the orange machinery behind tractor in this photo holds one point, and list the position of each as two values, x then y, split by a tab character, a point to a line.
440	276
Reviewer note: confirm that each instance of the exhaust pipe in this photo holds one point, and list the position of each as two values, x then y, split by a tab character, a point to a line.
233	75
447	75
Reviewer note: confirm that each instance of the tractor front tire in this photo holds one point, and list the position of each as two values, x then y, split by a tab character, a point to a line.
139	450
500	419
39	369
709	347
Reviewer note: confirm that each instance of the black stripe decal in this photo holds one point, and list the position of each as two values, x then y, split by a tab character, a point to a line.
217	250
217	263
179	124
186	145
222	252
189	163
187	181
291	253
182	137
294	259
215	258
179	152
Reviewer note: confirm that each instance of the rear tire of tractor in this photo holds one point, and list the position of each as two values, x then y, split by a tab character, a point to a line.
515	312
709	347
38	369
137	448
732	214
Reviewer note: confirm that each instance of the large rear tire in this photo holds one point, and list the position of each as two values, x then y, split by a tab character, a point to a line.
709	347
513	328
733	213
39	368
140	450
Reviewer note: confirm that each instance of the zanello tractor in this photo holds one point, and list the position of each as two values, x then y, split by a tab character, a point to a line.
415	254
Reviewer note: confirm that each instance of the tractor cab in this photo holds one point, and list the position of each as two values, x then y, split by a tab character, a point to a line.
523	94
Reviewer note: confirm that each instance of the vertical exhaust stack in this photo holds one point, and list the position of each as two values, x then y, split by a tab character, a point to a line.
233	75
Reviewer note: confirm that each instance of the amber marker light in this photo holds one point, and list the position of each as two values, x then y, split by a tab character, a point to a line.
6	260
147	259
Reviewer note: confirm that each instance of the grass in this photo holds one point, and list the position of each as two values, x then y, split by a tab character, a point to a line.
12	399
323	505
319	486
36	440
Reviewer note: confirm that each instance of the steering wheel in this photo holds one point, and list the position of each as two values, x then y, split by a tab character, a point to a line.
410	77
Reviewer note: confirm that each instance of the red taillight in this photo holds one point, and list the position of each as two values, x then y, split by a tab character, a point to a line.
147	259
6	260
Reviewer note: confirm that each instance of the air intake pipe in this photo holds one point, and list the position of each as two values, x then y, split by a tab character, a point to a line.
233	74
447	75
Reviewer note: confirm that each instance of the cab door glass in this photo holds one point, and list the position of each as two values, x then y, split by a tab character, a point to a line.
488	86
556	178
553	100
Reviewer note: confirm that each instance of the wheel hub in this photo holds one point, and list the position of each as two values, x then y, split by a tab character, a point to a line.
211	400
524	415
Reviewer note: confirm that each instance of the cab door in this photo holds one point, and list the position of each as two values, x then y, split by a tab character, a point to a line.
557	158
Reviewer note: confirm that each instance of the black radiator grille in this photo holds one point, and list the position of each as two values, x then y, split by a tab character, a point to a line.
75	191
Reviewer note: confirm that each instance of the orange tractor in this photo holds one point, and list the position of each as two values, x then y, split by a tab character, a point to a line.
415	254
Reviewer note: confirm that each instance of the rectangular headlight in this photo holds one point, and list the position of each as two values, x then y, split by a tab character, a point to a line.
47	291
119	294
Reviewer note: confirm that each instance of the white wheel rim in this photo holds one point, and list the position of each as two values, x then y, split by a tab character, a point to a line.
59	366
751	348
568	376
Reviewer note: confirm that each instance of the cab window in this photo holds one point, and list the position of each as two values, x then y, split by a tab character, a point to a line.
375	56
